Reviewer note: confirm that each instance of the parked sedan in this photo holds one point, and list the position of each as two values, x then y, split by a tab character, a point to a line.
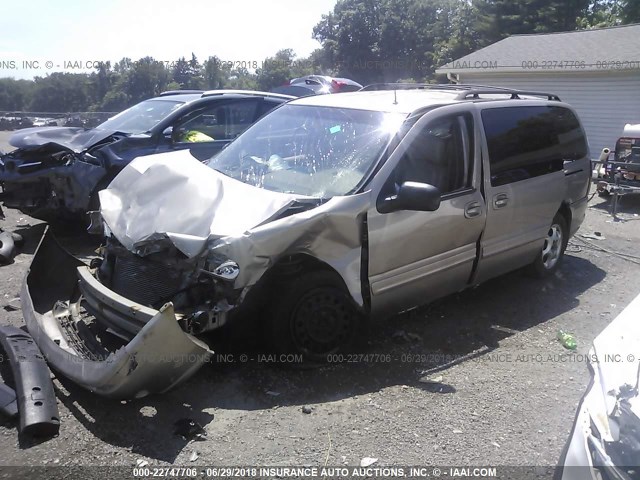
56	172
318	85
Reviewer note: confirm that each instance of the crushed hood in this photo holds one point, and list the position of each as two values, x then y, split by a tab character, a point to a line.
75	139
173	195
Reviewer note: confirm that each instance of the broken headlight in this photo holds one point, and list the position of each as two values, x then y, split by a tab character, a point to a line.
221	268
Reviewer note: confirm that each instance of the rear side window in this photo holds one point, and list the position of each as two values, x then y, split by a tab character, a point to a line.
526	142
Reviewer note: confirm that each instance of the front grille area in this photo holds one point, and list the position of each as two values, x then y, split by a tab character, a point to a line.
143	281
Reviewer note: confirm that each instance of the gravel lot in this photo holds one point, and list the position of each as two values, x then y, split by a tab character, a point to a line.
507	395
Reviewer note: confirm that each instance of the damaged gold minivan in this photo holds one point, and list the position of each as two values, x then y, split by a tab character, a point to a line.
328	210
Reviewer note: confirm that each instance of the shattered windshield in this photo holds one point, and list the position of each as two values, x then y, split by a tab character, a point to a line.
141	117
308	150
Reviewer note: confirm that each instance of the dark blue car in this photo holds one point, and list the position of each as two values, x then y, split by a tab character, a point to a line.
56	172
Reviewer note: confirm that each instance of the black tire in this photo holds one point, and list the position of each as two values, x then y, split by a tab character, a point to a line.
312	315
7	248
550	257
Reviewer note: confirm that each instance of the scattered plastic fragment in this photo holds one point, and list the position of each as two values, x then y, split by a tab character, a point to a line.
593	236
367	461
12	305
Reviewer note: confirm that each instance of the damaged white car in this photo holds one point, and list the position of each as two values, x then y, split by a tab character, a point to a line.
328	210
605	442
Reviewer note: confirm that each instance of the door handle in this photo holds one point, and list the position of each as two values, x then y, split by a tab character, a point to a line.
500	201
473	209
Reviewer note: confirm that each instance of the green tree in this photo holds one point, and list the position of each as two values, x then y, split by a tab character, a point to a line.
181	72
213	76
114	101
188	73
497	19
630	11
350	37
15	94
462	37
60	92
276	70
196	80
240	79
145	79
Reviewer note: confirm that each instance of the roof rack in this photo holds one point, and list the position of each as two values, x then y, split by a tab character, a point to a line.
515	94
466	91
181	92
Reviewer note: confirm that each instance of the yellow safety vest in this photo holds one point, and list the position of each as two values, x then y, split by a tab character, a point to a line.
193	136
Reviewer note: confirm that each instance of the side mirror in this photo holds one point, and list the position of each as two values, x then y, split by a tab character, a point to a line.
420	197
168	133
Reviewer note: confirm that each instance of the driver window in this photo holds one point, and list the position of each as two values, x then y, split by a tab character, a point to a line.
216	122
441	155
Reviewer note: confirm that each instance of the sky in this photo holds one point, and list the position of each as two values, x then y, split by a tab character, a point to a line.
70	34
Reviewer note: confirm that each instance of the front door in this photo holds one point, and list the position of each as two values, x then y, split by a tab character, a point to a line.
415	257
208	130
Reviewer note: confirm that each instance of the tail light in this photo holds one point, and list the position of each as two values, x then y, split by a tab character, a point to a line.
337	85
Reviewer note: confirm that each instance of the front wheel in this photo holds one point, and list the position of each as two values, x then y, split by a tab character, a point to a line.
313	316
552	253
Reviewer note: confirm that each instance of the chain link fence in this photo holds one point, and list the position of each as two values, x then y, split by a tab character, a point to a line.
12	120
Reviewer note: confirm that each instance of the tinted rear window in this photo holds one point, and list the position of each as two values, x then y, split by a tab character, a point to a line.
526	142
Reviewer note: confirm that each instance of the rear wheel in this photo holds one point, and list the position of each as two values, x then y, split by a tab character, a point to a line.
313	316
552	253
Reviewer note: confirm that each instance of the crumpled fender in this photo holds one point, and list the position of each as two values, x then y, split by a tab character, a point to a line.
158	358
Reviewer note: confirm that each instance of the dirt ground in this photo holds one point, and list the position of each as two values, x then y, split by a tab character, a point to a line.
507	394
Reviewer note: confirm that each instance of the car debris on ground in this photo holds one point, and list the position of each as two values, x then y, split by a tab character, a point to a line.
34	393
189	429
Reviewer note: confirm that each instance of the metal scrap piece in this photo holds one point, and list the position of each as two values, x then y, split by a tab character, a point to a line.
8	401
37	402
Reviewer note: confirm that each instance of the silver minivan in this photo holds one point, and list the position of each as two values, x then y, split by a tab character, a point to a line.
329	210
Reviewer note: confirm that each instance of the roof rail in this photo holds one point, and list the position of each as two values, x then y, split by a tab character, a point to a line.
211	93
397	86
466	91
515	94
180	92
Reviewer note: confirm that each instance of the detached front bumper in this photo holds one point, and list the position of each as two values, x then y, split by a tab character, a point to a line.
59	294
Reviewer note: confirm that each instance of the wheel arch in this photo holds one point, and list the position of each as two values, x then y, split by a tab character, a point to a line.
288	268
565	211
